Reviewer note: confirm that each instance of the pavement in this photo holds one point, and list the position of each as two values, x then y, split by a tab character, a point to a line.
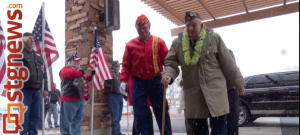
263	126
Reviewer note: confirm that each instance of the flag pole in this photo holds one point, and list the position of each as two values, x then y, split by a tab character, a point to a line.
92	111
43	69
93	101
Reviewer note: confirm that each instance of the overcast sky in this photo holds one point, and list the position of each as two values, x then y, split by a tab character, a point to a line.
263	46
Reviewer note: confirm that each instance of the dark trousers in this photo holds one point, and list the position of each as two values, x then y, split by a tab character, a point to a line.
115	102
41	124
200	126
233	118
32	100
152	88
150	119
189	130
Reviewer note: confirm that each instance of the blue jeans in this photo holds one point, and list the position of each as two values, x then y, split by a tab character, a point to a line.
32	100
40	126
152	88
71	117
53	111
116	107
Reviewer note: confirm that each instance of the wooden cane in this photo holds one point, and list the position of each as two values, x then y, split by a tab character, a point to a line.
164	109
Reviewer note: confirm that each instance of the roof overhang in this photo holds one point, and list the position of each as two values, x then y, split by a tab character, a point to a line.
219	13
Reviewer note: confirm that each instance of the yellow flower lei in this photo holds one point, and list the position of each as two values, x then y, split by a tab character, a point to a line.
197	50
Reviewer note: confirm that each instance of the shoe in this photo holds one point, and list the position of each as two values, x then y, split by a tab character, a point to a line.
56	126
51	126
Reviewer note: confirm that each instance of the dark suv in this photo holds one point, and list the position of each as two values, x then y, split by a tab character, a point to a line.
270	95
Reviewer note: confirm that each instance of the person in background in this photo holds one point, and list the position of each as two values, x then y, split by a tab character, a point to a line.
234	105
54	100
74	89
206	66
144	59
115	98
31	90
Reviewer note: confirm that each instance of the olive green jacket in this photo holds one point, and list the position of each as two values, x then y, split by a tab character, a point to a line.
204	84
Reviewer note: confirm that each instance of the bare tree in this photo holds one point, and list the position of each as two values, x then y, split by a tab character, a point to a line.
292	68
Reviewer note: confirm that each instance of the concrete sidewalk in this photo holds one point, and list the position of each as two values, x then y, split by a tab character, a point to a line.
47	133
269	131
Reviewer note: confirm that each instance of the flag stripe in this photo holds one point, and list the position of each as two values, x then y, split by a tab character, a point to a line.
50	54
3	72
98	63
3	77
107	72
4	93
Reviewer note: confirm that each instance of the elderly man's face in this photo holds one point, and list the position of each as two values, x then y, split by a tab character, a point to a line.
30	42
193	28
144	31
75	64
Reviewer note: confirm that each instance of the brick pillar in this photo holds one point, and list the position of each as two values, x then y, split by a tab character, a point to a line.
81	18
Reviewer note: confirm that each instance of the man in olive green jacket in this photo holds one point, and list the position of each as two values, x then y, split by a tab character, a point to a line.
206	67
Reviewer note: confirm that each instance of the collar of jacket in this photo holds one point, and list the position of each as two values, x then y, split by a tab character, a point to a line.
25	50
145	41
208	30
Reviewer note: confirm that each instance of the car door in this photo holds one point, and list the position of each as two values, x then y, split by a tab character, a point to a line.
291	81
249	95
267	96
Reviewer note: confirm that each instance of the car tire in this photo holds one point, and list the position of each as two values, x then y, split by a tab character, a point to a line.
244	115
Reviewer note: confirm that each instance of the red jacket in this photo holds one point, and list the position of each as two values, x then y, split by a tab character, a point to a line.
70	73
144	60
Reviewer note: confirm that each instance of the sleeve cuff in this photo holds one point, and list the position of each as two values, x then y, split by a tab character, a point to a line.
172	77
172	81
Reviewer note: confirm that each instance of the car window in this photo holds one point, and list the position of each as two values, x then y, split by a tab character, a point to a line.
264	82
276	80
291	79
251	84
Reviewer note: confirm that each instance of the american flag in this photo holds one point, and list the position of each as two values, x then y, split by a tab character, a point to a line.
3	78
98	63
50	50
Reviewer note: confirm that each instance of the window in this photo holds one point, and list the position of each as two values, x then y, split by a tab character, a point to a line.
291	79
251	84
264	82
275	79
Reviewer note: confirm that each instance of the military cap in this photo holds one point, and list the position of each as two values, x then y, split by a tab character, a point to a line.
191	15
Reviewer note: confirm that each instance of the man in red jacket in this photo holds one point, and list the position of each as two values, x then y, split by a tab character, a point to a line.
144	59
74	91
